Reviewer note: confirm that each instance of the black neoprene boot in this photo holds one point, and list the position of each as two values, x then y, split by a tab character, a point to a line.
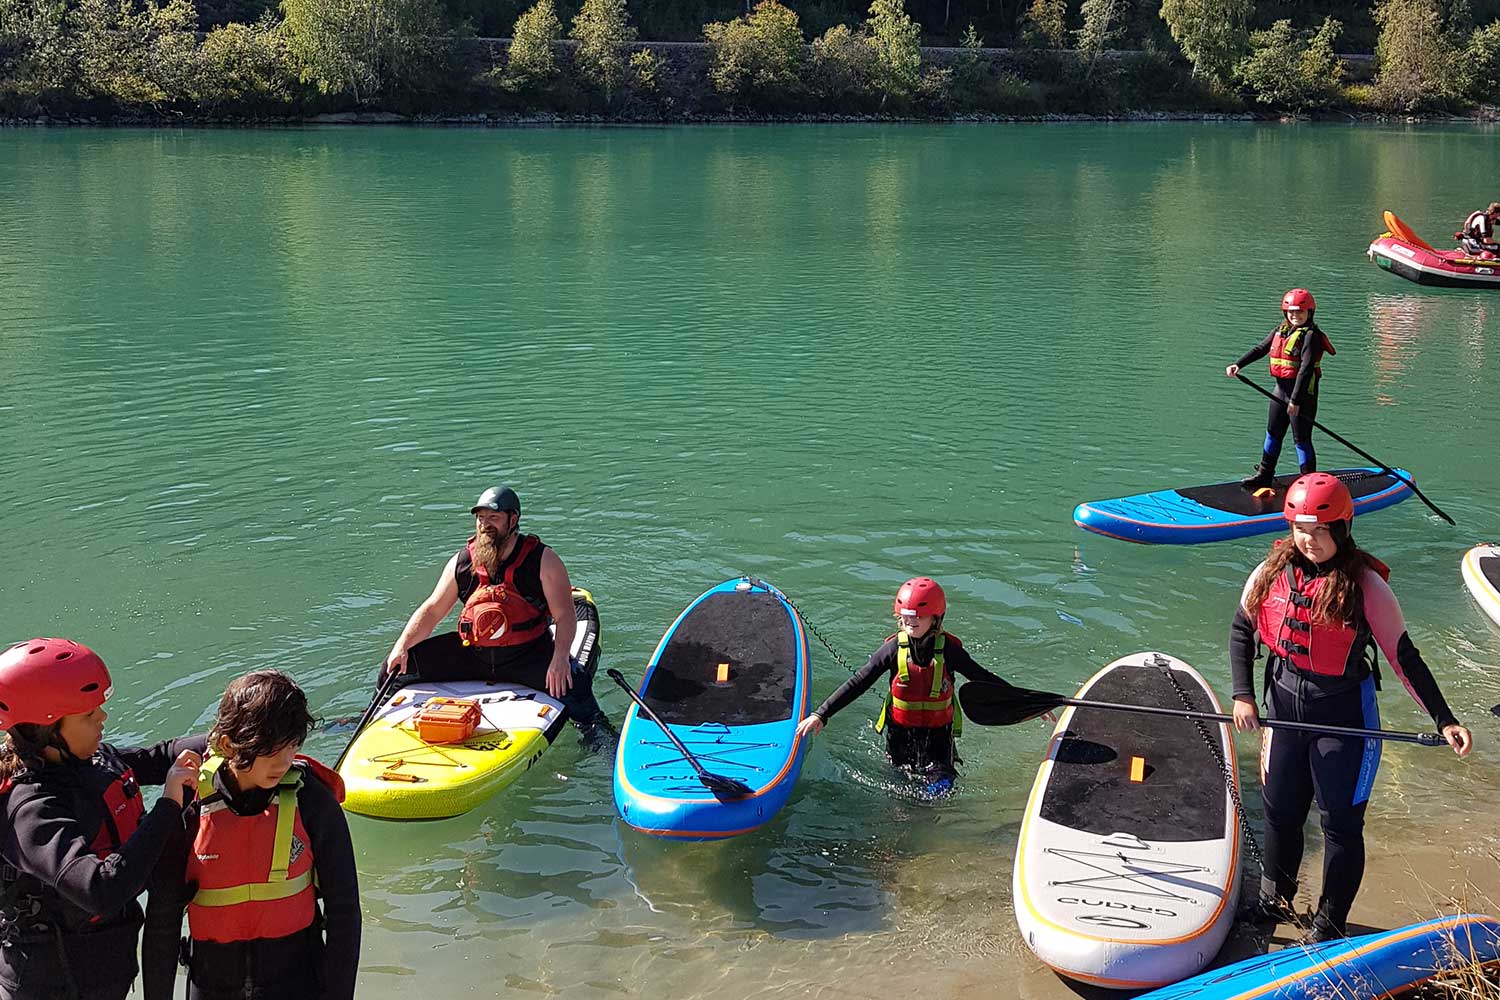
1273	905
1327	923
1264	478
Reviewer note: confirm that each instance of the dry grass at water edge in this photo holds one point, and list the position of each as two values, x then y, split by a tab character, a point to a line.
1466	976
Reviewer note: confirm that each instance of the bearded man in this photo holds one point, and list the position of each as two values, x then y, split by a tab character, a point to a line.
526	588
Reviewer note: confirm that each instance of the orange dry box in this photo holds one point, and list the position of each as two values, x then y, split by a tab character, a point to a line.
448	720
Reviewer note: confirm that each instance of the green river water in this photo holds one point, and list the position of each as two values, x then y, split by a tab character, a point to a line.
251	382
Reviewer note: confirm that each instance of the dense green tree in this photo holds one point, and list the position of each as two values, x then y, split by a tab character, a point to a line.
1046	24
761	51
533	45
374	51
897	41
1211	33
245	66
1414	55
38	52
604	35
1479	68
1292	70
1102	24
844	65
137	56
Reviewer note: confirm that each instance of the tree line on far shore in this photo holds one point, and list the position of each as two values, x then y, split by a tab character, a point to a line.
98	57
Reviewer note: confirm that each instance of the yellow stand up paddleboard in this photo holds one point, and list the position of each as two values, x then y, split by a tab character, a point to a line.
1482	575
391	772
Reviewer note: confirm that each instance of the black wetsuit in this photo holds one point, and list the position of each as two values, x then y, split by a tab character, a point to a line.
1302	390
70	919
930	751
1336	771
320	963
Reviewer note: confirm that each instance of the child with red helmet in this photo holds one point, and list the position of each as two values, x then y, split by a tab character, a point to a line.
78	845
1296	348
921	717
266	872
1322	606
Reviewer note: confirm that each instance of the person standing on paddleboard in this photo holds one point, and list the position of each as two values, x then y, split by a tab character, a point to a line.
264	865
920	718
1296	348
1321	606
512	587
78	845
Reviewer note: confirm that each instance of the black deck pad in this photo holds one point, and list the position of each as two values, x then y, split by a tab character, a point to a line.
1235	499
753	633
1490	567
1182	796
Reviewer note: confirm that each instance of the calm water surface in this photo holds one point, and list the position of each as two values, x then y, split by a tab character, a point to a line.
250	383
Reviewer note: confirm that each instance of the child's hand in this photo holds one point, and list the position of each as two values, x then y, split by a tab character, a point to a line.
182	779
1232	371
810	726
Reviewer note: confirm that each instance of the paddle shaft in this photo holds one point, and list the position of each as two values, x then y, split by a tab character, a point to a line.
391	682
1425	739
1352	447
703	773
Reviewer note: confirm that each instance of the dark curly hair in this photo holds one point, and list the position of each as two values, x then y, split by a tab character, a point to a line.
260	714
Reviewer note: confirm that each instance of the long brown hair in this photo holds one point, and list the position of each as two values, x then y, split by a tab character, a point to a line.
21	750
260	713
1339	599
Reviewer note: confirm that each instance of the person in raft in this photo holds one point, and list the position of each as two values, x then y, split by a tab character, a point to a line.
1321	606
78	845
1478	232
512	587
920	719
264	845
1296	348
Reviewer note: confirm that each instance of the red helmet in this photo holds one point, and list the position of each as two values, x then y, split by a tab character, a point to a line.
1298	298
42	680
921	595
1318	498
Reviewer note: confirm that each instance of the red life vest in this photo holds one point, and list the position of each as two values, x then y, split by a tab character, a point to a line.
123	812
1288	347
921	696
498	614
254	874
1324	649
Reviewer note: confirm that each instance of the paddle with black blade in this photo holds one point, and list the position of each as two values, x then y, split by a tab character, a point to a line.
989	704
392	681
717	783
1352	447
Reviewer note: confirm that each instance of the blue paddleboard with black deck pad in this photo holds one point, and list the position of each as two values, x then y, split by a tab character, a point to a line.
730	679
1223	511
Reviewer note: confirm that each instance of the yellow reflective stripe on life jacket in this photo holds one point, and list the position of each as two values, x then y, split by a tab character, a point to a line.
277	885
256	892
921	706
903	674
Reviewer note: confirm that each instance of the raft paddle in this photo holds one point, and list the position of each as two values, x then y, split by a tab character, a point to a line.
989	704
1352	447
716	783
392	681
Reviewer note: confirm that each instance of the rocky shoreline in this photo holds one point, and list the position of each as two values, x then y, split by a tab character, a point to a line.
556	120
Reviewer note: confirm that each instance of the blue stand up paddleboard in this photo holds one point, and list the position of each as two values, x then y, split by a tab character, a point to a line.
1224	510
1372	965
730	679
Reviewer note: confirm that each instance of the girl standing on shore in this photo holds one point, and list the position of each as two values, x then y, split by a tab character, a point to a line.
1322	606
